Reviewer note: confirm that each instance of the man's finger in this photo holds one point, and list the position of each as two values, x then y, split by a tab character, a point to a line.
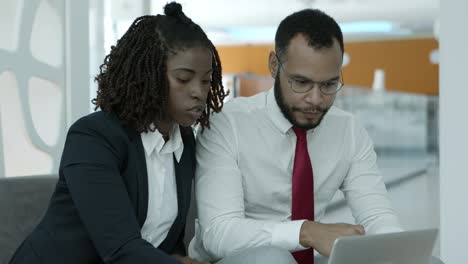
360	229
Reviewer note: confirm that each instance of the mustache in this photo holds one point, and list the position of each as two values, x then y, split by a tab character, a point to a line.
310	109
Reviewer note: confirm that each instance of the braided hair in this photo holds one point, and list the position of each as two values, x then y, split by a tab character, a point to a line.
133	82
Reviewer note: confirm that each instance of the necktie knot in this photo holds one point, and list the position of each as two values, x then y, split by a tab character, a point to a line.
300	133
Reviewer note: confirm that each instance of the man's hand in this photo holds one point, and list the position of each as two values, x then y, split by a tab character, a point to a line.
187	260
322	236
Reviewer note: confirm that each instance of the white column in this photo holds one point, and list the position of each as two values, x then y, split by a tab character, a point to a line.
77	59
96	49
453	131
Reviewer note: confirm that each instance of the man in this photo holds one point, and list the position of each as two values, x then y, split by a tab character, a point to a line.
270	163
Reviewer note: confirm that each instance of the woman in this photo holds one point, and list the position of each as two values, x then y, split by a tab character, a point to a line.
125	175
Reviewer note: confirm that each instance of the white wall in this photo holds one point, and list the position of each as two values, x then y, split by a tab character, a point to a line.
44	79
453	131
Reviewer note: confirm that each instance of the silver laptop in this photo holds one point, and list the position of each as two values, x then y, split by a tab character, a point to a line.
408	247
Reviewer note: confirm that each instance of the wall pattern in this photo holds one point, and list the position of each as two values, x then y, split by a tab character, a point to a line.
32	86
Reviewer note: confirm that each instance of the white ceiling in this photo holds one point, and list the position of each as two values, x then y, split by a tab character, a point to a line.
407	17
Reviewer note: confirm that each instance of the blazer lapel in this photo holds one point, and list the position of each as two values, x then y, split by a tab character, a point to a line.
141	175
181	184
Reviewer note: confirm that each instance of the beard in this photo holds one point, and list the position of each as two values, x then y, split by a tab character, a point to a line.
288	110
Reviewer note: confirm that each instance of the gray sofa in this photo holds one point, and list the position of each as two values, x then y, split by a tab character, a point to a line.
23	201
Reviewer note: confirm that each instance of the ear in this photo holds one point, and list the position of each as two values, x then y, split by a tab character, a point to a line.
272	64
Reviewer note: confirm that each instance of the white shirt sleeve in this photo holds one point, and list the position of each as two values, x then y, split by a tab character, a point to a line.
220	197
364	187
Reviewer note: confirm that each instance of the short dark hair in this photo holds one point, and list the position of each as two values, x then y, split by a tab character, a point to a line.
317	27
133	82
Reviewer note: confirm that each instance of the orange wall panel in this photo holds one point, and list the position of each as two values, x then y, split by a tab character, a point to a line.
245	59
405	62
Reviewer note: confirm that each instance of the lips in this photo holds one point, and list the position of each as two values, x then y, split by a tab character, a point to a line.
196	111
197	108
312	112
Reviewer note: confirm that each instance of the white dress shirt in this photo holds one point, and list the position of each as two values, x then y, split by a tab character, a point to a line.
244	173
162	187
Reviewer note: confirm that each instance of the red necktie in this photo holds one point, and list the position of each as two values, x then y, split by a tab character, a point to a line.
302	191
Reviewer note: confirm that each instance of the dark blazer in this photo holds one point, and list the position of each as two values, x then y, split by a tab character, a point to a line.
100	202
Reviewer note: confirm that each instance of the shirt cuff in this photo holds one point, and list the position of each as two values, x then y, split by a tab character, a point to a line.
287	235
389	229
384	225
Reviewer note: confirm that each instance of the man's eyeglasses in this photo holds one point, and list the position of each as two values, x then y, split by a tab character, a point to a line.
300	85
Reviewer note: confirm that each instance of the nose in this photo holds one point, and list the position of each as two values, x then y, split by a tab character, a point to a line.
199	91
314	96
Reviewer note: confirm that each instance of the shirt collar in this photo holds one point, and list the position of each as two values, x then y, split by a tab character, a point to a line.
275	114
154	141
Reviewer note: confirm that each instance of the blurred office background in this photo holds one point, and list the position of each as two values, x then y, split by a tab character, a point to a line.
396	83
